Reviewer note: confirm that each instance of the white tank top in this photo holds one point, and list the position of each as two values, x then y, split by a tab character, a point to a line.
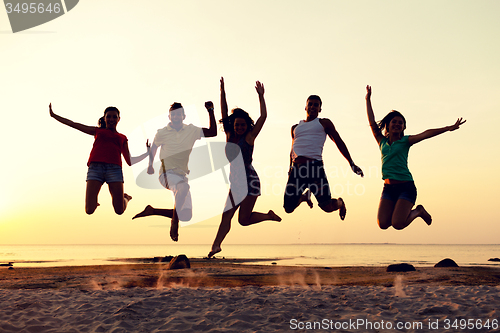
309	139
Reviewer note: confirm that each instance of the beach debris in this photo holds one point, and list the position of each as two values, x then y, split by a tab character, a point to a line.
179	262
494	259
446	263
403	267
10	264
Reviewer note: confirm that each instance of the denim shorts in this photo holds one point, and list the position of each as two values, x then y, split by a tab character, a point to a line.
105	172
394	192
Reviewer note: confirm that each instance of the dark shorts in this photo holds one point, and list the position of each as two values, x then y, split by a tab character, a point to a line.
394	192
310	175
105	172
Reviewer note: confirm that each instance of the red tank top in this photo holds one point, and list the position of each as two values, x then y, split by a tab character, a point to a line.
108	147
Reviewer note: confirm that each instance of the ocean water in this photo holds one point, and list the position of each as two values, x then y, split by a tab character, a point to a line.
324	255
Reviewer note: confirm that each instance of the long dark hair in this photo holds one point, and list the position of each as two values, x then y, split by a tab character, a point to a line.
228	122
101	122
384	123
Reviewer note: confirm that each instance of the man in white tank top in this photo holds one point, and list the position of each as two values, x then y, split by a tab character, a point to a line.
307	174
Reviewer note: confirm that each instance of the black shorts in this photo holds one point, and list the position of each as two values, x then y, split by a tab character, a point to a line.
394	192
310	175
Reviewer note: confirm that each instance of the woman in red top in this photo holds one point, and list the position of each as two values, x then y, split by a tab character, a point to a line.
105	164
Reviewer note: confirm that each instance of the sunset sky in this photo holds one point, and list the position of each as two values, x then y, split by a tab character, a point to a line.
434	61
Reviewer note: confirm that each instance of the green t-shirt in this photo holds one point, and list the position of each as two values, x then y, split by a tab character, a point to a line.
395	159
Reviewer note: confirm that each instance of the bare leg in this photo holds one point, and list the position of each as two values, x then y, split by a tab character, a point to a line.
335	204
182	190
120	199
91	193
224	227
150	211
174	226
170	213
248	217
403	214
342	208
126	199
424	214
385	210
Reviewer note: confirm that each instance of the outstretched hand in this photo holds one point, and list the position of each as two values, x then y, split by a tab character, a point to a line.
357	170
456	126
50	111
222	84
150	170
209	105
259	87
368	92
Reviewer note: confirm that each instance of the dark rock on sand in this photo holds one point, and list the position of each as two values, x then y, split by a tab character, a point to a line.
400	268
179	262
494	259
446	263
164	259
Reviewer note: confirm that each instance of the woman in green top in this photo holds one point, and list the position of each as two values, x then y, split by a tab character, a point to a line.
399	194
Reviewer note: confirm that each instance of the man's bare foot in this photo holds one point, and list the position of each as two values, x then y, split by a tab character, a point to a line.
424	215
174	230
306	196
273	215
215	250
342	208
146	212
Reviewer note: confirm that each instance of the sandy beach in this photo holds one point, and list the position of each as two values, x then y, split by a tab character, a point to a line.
225	296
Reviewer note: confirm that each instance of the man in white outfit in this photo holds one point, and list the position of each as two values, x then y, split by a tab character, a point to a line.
176	141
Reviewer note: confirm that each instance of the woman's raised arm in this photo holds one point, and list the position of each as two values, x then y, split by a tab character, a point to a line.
223	101
412	139
371	116
84	128
263	110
